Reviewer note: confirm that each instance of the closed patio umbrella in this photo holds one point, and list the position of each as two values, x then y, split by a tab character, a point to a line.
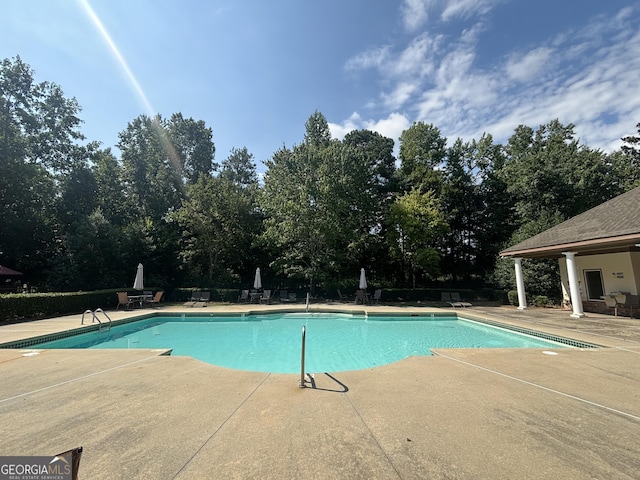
257	281
138	283
363	280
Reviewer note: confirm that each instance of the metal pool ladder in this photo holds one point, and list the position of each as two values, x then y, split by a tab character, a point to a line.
96	319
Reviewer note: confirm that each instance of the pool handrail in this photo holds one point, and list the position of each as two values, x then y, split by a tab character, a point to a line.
95	317
302	379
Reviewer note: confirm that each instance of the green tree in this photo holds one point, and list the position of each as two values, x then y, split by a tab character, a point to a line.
549	171
625	164
110	194
191	146
422	152
77	196
632	145
317	196
495	221
240	169
38	134
368	247
151	178
317	133
418	223
153	189
219	223
461	205
90	256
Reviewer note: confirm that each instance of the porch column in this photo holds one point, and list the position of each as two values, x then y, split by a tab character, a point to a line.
574	286
522	298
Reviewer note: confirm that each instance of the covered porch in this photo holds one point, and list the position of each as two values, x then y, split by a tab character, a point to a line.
598	253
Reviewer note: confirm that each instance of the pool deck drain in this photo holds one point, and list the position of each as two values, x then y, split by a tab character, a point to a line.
461	414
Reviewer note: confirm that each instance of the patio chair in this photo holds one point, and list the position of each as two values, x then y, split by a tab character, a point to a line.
377	295
611	302
157	298
204	299
76	455
359	297
195	297
123	299
243	297
148	296
266	297
455	297
632	301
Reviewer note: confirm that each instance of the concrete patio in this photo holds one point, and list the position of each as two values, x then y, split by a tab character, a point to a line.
461	414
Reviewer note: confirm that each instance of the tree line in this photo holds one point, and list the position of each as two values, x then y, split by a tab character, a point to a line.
75	216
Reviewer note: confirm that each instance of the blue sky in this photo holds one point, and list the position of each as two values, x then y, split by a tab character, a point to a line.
255	70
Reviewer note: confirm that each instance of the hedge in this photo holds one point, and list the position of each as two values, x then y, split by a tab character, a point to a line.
39	305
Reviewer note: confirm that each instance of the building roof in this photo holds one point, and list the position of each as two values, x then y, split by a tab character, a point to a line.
7	272
613	226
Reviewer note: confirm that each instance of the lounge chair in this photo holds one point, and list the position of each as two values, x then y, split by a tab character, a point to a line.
123	299
195	297
285	296
455	297
243	297
377	295
266	297
343	298
157	298
446	298
204	299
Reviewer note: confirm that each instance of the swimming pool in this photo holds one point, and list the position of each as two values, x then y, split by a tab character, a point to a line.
272	342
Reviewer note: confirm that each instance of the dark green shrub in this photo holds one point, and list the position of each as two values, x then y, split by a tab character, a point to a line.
541	301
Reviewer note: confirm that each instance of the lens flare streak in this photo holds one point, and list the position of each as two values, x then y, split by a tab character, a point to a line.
118	56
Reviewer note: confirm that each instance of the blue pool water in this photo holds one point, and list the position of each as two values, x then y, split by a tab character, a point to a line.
272	343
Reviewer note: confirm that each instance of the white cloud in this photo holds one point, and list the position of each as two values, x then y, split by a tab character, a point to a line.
466	8
526	67
399	95
370	59
417	58
391	127
414	13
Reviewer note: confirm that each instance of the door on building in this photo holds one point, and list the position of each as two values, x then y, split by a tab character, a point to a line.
593	280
